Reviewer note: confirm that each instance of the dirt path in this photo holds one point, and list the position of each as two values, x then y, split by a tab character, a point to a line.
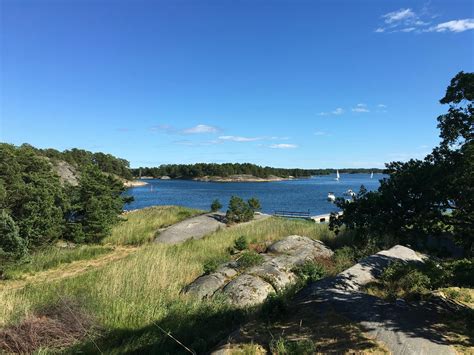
197	227
68	270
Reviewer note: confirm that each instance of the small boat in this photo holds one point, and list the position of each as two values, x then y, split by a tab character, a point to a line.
372	175
337	175
350	193
331	196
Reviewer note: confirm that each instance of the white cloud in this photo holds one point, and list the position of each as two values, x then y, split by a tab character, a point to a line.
454	26
320	133
163	128
190	143
398	15
381	106
283	146
200	128
408	29
380	30
360	108
239	139
337	111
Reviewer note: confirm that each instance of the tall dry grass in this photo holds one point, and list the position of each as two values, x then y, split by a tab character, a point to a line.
144	288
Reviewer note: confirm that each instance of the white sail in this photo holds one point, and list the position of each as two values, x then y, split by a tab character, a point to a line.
337	174
372	175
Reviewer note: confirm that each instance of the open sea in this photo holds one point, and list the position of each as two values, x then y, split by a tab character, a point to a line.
292	195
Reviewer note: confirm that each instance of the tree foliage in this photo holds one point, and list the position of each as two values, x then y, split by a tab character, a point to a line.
190	171
37	209
429	197
241	211
216	205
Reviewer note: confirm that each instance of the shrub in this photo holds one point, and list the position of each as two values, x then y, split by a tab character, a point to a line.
282	346
309	271
215	205
239	211
211	265
241	243
344	258
249	258
254	204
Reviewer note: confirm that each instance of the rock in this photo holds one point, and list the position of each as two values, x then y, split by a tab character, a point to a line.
271	272
247	290
295	244
275	273
205	286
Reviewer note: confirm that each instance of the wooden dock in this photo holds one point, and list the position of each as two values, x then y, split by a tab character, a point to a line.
323	218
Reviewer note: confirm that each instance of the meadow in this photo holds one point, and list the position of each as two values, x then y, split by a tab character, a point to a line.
135	300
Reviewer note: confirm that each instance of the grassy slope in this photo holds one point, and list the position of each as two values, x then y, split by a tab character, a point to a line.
132	296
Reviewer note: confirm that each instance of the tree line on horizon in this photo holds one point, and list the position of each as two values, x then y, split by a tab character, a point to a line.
199	170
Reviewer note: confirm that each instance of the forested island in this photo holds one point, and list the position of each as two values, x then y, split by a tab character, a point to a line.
236	172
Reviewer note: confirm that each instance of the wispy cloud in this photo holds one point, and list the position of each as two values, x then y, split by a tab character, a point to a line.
409	21
164	128
190	143
337	111
398	15
320	133
360	108
240	139
200	128
453	26
283	146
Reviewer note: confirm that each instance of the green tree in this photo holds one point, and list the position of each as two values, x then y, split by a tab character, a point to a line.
254	204
11	245
429	197
238	211
31	194
215	205
96	205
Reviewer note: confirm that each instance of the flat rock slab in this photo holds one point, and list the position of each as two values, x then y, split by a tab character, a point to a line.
192	228
197	227
403	329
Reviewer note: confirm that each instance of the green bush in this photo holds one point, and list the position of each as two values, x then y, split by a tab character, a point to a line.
249	259
239	211
309	271
282	346
215	205
211	265
241	243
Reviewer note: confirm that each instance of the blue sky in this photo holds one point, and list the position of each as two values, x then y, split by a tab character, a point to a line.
308	84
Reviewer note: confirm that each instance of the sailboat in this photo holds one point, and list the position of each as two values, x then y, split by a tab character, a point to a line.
372	175
337	175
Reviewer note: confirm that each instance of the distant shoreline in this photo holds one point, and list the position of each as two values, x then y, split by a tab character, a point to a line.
231	178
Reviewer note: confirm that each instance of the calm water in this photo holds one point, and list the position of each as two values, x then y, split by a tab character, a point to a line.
296	195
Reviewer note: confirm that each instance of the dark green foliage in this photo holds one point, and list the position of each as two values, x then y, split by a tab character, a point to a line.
241	243
254	204
95	206
215	205
80	158
239	211
310	271
212	264
43	209
11	245
282	346
249	259
429	197
31	194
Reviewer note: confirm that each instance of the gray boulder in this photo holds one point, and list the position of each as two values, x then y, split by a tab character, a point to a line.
247	290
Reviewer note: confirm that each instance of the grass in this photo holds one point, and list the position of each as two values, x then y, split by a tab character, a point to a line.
54	257
141	226
133	295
